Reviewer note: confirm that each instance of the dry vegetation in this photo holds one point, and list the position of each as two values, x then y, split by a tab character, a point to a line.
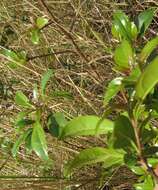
76	44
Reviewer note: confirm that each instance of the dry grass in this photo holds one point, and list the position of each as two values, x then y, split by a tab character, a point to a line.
83	68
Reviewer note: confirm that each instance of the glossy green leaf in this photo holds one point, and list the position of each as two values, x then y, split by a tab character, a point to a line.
144	20
20	140
123	55
38	141
138	170
15	59
115	32
35	36
22	100
147	80
134	30
10	54
41	22
113	88
23	123
94	155
45	78
153	161
148	48
123	134
86	125
121	26
146	185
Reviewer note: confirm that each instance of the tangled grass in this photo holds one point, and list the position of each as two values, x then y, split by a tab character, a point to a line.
77	44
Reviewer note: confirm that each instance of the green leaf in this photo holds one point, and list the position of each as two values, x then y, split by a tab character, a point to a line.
137	170
45	78
86	125
35	36
153	161
144	20
113	88
123	134
20	116
133	77
134	30
94	155
15	59
146	185
22	55
28	144
23	123
38	141
56	122
123	55
41	22
147	80
22	100
62	94
20	140
10	54
130	159
148	48
121	26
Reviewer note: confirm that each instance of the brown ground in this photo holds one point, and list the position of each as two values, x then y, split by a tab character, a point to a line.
84	70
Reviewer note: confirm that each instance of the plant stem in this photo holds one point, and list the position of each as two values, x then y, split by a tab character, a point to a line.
142	160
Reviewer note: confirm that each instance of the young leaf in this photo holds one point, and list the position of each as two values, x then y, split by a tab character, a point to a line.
20	140
123	134
22	55
41	22
148	48
95	155
35	36
121	26
38	141
15	59
45	78
86	125
123	55
10	54
134	30
144	20
147	80
22	100
113	88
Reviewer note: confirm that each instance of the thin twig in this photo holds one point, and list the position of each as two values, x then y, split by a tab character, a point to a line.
65	31
5	162
49	54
